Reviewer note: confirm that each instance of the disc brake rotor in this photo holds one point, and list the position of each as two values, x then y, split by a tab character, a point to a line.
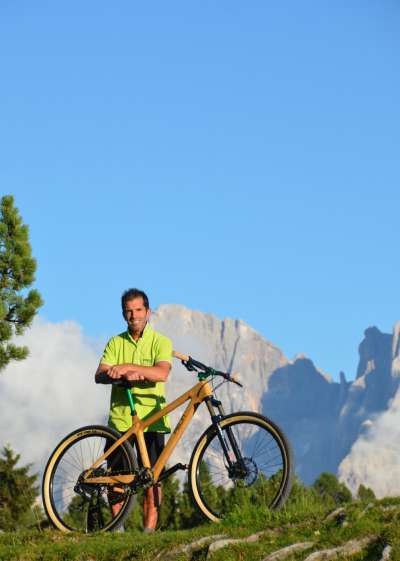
244	471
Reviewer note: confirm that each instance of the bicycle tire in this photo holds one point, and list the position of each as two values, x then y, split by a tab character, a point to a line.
69	510
266	478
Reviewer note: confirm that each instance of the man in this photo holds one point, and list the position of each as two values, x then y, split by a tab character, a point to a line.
144	356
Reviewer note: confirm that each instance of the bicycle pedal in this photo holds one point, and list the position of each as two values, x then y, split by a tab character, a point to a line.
179	466
172	470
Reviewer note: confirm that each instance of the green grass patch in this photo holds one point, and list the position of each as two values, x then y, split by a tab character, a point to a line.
303	520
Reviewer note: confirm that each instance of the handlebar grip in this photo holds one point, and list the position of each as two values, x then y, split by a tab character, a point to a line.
103	378
180	356
234	378
123	383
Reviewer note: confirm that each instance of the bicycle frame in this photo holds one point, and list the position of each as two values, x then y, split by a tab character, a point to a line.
196	395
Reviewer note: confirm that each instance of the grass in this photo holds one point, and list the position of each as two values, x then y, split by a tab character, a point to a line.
302	520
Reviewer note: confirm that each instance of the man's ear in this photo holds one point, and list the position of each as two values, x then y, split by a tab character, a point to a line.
148	314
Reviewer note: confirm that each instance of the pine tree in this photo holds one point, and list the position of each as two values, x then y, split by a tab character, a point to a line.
17	273
18	492
329	487
190	515
169	518
365	493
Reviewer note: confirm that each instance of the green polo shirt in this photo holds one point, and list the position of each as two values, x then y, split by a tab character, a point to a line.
149	397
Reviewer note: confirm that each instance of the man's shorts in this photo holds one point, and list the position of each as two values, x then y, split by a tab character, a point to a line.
155	442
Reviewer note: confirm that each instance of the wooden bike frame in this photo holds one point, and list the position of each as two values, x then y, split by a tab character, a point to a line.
196	395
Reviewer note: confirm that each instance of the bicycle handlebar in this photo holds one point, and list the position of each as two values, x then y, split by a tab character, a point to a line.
188	362
192	365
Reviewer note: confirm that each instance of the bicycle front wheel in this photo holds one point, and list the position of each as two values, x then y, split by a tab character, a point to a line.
72	505
246	461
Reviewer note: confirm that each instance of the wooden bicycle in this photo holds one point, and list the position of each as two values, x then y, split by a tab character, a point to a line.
241	457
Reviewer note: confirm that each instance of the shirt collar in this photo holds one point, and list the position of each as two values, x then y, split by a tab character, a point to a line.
147	331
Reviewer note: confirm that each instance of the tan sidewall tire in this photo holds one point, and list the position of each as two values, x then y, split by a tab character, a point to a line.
76	435
234	419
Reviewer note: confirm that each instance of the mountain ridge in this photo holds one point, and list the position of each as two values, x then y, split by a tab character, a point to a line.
322	418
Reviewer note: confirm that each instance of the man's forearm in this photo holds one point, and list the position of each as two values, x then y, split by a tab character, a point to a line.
151	373
133	372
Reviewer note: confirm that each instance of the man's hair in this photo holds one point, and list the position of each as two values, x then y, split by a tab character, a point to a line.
132	293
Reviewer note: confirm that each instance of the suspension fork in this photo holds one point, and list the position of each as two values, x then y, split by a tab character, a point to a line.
227	447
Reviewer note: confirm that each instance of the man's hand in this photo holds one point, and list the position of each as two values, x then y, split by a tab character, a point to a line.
134	377
118	371
126	372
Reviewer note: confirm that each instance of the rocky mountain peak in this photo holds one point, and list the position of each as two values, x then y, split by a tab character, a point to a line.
375	352
396	350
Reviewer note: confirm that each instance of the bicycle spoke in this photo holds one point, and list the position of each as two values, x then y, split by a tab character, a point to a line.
252	473
79	506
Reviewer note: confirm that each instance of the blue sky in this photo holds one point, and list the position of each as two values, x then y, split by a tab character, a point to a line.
238	158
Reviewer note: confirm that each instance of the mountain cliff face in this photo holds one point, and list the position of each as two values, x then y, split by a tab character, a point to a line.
374	457
307	406
322	418
226	345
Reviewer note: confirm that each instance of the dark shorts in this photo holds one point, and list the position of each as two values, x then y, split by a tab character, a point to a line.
155	442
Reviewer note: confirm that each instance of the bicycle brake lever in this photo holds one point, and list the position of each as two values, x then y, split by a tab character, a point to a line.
188	365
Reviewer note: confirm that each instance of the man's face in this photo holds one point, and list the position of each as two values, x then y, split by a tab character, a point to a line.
136	315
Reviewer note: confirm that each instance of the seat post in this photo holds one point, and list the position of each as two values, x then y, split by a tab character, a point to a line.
131	402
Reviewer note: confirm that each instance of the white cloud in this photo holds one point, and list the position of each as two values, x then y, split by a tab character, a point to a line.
374	459
52	392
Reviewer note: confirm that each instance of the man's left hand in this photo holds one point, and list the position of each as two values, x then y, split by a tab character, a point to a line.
133	376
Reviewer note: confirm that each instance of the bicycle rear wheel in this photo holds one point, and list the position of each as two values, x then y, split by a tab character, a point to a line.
259	472
72	505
